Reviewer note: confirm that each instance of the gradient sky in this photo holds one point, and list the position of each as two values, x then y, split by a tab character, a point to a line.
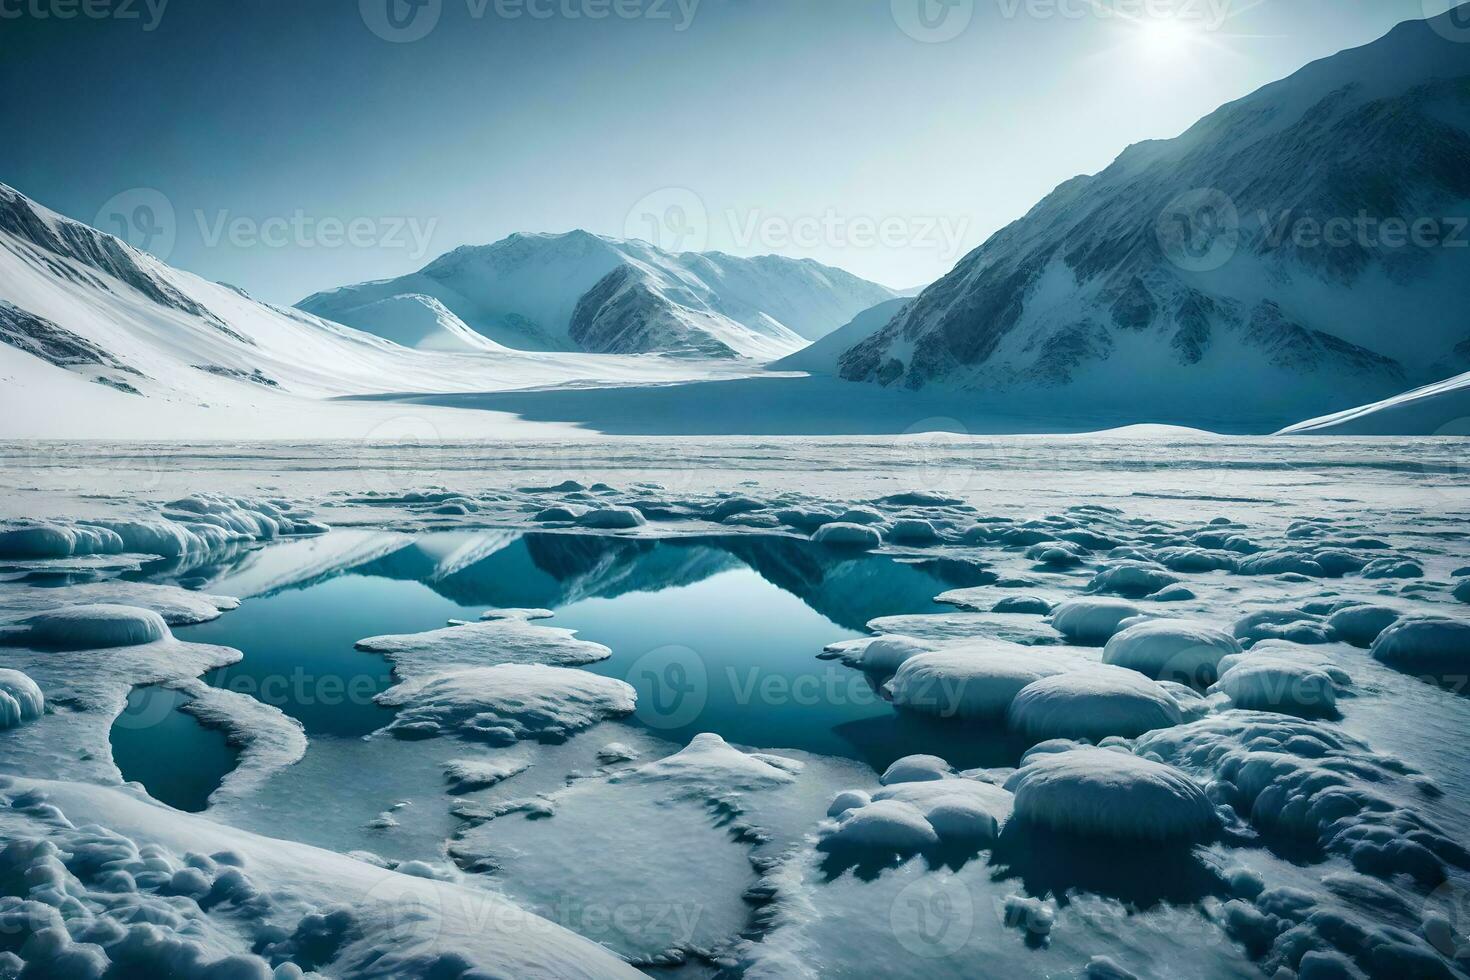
812	128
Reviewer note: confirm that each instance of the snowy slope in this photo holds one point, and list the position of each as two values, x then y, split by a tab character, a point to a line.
100	340
524	291
823	356
1441	409
1161	289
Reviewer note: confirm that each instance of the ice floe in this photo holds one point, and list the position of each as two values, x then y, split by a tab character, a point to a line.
93	627
506	703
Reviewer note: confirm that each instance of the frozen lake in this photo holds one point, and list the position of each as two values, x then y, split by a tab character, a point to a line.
717	740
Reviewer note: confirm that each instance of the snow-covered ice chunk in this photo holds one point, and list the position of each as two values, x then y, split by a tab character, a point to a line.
21	699
1091	621
887	653
1293	625
709	762
612	518
1092	703
1360	625
1058	554
912	530
846	534
1260	682
1024	605
1105	793
916	769
1431	645
883	825
1171	649
40	539
469	775
94	627
1307	779
482	644
977	681
506	703
1133	579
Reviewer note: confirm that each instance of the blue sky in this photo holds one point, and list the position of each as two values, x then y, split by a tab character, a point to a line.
291	147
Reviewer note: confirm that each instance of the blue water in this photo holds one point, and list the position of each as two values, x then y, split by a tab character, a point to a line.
716	635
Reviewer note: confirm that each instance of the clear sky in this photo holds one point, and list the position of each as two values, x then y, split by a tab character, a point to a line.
304	145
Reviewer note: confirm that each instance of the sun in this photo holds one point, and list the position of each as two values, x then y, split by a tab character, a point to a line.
1166	37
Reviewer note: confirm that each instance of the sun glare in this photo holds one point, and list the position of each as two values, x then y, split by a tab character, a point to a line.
1166	37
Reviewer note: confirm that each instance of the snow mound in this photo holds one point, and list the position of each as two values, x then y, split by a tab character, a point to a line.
506	640
1171	649
1105	793
506	703
1091	622
1360	625
612	518
914	816
709	762
1265	683
1308	780
94	627
1133	579
1023	605
1057	554
1429	645
1293	625
1092	704
886	654
469	775
975	682
37	539
916	769
21	699
887	825
845	534
913	530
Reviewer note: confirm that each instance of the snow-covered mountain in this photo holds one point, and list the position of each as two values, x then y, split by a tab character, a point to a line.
824	356
1256	270
99	339
579	291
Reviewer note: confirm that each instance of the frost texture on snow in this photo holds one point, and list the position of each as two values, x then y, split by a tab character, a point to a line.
1304	779
160	893
1106	793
